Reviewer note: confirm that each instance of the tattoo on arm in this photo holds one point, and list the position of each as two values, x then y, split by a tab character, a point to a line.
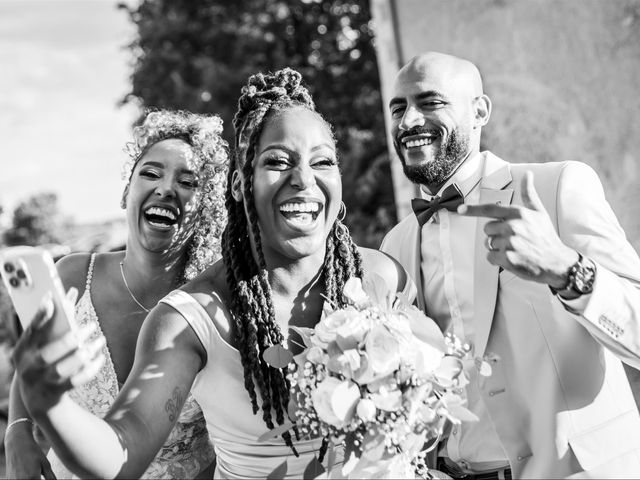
173	404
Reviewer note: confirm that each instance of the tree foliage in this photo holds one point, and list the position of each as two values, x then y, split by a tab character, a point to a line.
36	221
7	333
196	55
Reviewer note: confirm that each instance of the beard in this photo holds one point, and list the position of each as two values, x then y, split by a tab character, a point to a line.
445	161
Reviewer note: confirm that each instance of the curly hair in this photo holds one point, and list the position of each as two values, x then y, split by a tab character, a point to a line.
203	134
251	302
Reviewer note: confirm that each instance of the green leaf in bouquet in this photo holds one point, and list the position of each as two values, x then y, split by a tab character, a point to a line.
305	334
327	307
279	430
461	413
301	358
277	356
424	328
378	291
314	469
455	409
279	472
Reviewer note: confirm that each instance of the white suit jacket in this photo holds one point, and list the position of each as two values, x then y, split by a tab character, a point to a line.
558	396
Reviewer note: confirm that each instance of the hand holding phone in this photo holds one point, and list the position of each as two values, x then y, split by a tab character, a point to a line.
29	274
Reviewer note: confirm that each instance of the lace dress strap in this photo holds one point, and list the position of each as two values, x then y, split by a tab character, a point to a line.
92	261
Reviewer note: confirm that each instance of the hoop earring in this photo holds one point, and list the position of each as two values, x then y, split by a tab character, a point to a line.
342	232
342	213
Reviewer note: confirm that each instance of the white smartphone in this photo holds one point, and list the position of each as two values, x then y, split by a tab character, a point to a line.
28	274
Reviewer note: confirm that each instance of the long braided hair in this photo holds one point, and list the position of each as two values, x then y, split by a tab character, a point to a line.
251	302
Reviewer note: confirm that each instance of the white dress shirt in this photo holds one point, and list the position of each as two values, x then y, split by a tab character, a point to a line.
447	252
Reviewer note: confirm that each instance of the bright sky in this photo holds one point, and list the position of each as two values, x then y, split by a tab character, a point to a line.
64	69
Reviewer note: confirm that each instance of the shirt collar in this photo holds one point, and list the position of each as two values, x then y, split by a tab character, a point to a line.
466	177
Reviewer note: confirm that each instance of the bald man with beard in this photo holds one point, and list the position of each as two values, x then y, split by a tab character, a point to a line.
528	263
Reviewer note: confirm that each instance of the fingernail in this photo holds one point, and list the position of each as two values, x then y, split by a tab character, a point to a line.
72	295
462	209
47	302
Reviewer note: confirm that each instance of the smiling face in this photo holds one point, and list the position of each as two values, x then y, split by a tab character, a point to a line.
297	187
437	110
161	198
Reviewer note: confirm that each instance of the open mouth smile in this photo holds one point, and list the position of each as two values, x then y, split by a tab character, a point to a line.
418	141
301	214
162	218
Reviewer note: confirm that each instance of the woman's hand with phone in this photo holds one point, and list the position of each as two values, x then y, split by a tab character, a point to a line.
46	369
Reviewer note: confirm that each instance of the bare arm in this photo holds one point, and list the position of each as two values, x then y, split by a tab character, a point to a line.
24	457
168	357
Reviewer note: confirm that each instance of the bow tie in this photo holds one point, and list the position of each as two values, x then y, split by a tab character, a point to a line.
450	199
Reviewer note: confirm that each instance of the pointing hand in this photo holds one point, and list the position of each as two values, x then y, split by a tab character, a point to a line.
523	240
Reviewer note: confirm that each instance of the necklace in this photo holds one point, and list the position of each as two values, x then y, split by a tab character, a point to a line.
126	285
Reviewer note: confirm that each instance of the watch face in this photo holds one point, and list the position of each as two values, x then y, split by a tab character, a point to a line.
582	276
581	285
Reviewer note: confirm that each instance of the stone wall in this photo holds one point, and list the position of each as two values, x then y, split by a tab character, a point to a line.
564	77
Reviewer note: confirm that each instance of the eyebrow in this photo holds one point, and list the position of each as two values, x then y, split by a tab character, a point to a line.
420	96
163	166
279	146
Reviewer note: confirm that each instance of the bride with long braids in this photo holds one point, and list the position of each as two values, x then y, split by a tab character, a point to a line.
285	252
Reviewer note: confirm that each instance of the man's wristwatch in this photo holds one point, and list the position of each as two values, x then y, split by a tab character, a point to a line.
582	276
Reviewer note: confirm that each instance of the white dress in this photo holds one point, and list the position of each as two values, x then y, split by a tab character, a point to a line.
187	450
234	429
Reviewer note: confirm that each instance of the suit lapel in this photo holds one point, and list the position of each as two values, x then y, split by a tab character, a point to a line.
492	190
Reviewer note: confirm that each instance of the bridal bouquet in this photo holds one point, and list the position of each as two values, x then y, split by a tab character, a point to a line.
380	378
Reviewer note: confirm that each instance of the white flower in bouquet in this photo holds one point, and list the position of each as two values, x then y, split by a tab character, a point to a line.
335	401
379	377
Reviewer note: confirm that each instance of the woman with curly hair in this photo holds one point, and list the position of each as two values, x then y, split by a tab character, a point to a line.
285	252
174	202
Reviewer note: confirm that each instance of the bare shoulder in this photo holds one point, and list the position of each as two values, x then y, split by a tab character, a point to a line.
73	269
385	266
210	290
209	285
165	330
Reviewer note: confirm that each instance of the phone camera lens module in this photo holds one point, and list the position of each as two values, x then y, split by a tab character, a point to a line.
9	268
14	282
21	275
